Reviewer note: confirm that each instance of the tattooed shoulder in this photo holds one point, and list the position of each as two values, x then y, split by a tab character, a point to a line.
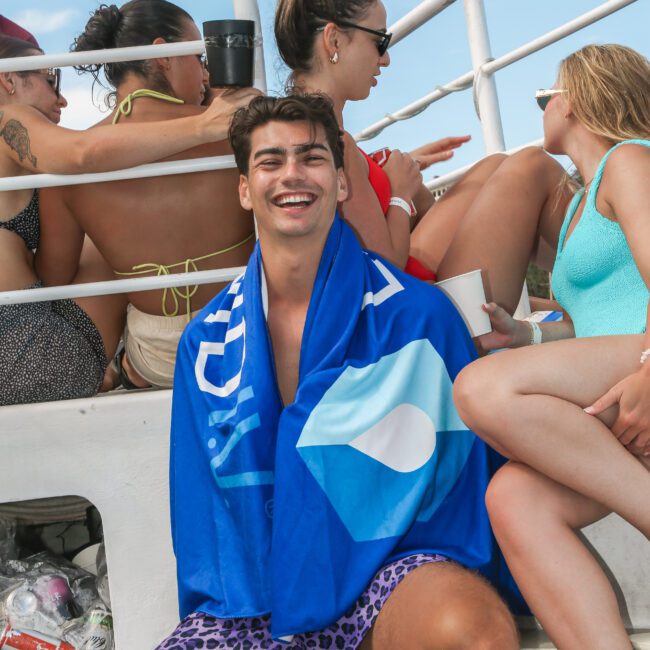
17	137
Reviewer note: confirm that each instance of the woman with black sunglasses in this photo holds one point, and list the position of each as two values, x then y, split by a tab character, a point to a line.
58	349
574	414
339	47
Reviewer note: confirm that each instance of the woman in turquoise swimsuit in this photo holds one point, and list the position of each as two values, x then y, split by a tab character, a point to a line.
574	415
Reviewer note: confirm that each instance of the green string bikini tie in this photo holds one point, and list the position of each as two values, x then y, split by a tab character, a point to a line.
126	105
175	294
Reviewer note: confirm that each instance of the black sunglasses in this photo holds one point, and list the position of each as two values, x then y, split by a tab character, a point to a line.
543	97
384	37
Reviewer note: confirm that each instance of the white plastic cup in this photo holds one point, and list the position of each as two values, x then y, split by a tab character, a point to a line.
467	293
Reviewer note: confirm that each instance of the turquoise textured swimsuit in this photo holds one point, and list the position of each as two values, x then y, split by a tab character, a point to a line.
595	278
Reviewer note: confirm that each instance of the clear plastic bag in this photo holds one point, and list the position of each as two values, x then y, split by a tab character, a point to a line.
52	600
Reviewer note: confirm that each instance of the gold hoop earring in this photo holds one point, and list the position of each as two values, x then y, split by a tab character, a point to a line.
13	90
334	58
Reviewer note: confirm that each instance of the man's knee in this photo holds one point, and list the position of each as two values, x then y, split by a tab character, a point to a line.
474	619
444	607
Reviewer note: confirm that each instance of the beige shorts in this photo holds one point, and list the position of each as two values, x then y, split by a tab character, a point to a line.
150	343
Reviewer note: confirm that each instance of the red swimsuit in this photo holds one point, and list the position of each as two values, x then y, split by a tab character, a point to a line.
380	182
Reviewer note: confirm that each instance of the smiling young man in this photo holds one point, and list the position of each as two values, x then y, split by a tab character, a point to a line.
321	479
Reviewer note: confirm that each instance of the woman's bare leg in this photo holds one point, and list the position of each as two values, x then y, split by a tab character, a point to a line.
437	228
497	222
534	520
529	404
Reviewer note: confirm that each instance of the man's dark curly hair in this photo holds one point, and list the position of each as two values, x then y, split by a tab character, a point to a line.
315	109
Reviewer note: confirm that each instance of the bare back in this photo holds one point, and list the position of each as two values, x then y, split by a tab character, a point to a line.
162	220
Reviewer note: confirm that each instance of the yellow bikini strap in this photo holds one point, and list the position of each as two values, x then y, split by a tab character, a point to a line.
126	105
188	265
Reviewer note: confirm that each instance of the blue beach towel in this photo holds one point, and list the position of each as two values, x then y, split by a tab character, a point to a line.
291	511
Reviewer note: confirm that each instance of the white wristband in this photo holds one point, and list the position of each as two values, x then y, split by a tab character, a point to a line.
644	355
535	333
400	203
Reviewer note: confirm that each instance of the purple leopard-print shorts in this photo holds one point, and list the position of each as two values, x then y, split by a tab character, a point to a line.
205	632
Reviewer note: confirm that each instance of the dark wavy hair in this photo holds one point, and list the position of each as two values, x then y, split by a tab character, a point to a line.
296	22
137	22
315	109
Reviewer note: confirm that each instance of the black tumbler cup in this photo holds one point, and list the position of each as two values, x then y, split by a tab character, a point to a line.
229	45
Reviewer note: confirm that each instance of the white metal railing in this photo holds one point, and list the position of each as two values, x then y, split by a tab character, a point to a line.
489	68
486	102
481	78
87	289
189	166
417	17
114	55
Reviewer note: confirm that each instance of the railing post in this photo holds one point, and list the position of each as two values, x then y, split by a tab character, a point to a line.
249	10
485	90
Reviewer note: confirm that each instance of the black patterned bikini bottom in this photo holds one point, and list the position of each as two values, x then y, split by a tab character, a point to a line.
48	351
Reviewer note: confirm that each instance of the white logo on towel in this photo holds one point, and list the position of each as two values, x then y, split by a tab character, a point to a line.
384	294
405	451
208	348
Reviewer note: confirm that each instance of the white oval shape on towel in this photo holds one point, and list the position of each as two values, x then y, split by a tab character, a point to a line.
403	440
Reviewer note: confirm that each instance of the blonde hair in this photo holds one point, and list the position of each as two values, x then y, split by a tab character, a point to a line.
608	88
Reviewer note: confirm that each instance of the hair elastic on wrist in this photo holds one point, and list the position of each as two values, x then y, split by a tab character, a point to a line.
400	203
535	333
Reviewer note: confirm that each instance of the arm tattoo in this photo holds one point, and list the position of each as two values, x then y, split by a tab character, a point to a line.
17	137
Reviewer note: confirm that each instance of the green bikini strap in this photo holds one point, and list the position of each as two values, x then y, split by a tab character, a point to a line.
126	105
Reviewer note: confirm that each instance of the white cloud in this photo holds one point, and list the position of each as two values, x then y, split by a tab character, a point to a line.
44	22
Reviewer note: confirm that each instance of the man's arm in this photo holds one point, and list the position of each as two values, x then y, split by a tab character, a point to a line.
57	257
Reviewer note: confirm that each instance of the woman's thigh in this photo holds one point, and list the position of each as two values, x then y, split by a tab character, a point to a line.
575	370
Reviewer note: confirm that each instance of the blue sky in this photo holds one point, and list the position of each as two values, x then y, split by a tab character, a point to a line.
435	54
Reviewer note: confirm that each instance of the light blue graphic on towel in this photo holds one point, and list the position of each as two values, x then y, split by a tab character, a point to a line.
221	416
243	426
392	447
